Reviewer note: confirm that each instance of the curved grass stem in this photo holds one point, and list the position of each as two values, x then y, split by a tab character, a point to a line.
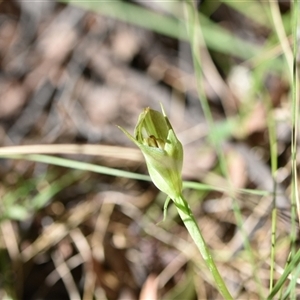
191	224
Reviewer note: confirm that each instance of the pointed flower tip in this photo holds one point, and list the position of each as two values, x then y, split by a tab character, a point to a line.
162	109
128	135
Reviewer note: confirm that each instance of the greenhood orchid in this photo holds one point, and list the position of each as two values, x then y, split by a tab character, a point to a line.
163	153
162	150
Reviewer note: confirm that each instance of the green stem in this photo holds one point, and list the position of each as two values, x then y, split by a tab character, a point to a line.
190	223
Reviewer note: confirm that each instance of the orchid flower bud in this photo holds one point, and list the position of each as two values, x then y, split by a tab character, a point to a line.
162	150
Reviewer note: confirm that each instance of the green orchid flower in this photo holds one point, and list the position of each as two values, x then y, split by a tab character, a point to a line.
162	150
163	153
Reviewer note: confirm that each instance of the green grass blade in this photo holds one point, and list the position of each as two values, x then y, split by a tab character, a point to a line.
287	271
68	163
216	37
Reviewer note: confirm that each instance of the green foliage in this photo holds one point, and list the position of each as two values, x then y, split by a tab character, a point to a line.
162	150
34	194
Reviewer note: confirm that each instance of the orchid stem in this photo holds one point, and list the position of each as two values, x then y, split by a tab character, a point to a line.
191	224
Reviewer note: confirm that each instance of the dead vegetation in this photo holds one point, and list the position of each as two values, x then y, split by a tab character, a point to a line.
71	229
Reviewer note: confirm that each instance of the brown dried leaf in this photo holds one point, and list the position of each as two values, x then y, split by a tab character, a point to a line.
236	169
13	97
150	288
125	44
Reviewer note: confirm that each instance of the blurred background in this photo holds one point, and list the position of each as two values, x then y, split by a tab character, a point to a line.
79	217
